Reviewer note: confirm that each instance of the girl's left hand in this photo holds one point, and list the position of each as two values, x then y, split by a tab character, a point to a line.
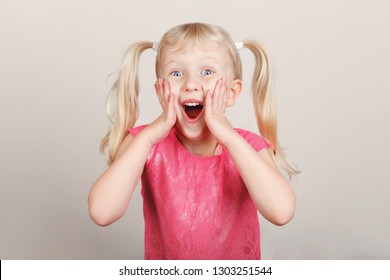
216	121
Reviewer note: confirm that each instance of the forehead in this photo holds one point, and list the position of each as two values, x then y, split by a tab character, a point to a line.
193	53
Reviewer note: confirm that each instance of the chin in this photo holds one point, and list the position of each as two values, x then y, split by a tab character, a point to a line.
193	132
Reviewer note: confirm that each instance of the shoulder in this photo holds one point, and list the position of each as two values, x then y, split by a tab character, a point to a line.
256	141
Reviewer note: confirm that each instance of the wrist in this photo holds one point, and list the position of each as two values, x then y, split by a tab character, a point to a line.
155	132
232	139
147	137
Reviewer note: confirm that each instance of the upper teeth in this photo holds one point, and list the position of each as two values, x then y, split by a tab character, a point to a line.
192	104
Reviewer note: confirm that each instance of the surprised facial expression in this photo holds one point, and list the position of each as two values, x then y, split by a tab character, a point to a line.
191	71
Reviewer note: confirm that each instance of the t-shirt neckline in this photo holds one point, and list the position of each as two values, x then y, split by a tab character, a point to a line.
184	149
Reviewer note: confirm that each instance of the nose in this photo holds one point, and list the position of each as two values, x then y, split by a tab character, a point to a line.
191	85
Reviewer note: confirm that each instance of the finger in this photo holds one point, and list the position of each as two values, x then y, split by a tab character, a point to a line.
176	104
171	98
223	96
216	95
210	92
164	93
158	90
170	106
209	101
167	90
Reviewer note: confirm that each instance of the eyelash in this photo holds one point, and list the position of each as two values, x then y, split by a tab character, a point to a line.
174	73
211	72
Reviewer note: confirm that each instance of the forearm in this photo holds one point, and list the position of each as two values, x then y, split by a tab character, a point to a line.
111	193
269	190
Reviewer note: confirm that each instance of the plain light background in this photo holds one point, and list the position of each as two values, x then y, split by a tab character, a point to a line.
330	61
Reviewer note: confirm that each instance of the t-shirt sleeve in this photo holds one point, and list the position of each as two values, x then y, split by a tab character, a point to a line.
256	141
134	131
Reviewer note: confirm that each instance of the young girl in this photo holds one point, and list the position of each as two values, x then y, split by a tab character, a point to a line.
203	181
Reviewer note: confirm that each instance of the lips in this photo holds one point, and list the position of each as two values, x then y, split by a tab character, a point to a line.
192	109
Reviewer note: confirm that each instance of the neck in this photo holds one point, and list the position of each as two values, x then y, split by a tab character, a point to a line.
206	146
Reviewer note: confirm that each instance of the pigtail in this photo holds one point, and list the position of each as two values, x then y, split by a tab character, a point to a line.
122	102
264	105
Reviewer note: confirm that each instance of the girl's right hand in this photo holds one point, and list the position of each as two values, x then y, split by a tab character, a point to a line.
163	124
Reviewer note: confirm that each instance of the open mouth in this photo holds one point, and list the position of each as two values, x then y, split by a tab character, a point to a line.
193	109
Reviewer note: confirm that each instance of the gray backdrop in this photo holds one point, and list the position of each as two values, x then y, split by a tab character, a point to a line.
331	64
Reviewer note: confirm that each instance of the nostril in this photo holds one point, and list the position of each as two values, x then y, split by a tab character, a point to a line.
190	89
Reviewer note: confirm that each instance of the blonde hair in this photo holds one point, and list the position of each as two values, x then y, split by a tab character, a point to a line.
125	90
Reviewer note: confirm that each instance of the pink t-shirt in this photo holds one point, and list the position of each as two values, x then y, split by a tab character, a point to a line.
197	207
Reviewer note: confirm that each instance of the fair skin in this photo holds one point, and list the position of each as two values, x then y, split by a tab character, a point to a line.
193	75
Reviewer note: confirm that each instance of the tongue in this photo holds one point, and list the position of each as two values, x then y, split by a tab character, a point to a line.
193	111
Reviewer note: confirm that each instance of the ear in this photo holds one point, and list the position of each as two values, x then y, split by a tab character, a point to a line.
234	91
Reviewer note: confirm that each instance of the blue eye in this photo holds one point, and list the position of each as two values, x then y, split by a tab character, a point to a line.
207	72
177	73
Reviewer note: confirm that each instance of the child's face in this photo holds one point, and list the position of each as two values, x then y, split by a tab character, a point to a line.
192	71
193	68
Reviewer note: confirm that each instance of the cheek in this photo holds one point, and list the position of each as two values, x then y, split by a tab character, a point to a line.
174	84
210	83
